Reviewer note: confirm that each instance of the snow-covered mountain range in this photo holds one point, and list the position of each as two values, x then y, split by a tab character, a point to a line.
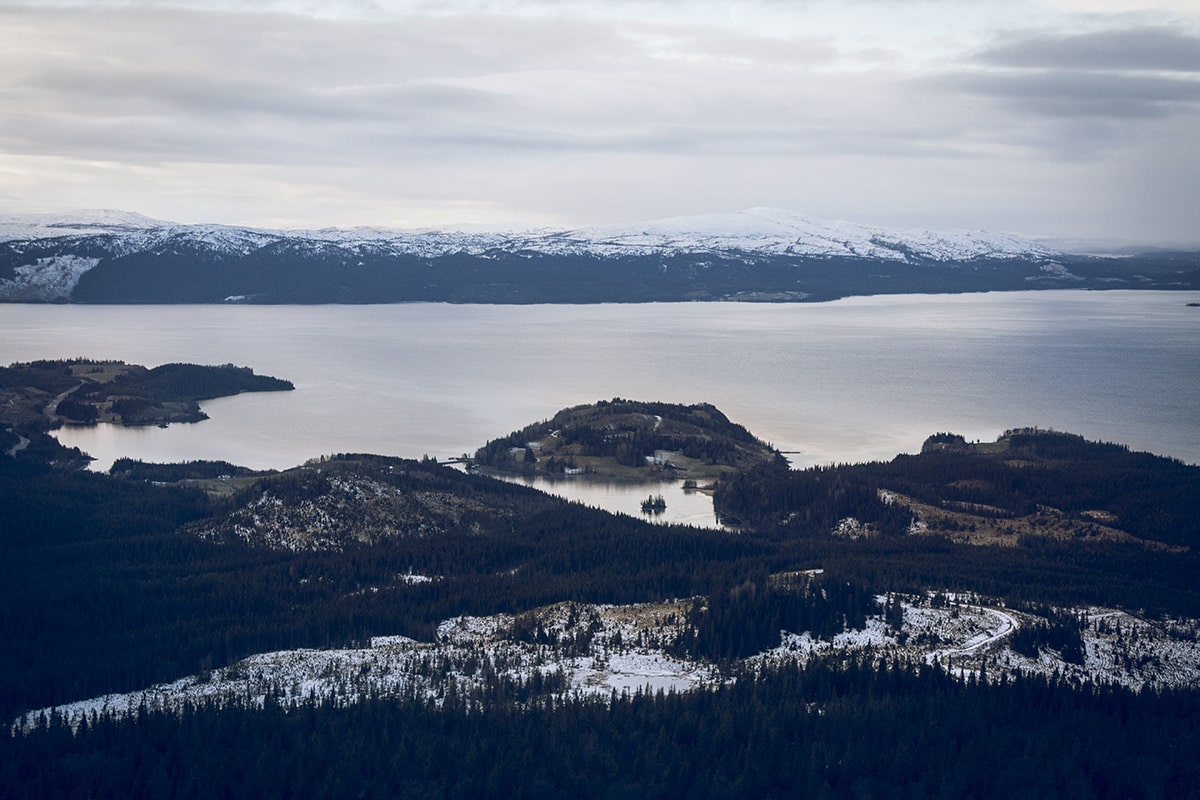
757	230
758	254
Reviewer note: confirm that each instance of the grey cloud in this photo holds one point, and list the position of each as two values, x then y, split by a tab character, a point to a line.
185	86
645	111
192	87
1080	94
122	92
302	49
1116	50
1109	80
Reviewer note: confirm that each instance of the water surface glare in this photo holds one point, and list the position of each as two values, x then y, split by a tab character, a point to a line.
852	380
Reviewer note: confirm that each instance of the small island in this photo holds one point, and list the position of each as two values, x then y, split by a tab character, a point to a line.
654	504
629	440
39	396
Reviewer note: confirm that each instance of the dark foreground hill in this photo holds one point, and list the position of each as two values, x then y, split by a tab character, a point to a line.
111	583
1028	485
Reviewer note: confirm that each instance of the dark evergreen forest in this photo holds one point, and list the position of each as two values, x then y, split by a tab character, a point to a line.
1151	497
826	730
100	590
104	588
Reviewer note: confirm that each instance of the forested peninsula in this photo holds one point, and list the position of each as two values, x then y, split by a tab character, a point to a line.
39	396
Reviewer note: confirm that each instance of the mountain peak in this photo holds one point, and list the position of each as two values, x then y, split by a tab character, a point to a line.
49	225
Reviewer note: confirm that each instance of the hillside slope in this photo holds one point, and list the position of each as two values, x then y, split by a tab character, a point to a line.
757	255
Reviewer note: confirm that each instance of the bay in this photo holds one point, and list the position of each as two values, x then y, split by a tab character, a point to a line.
851	380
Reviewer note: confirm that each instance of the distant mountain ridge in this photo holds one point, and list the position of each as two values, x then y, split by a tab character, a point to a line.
756	230
757	254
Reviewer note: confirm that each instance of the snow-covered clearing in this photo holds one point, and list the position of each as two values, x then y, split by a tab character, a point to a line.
574	649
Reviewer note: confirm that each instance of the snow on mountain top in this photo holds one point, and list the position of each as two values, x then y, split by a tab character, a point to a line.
73	223
757	230
773	230
753	223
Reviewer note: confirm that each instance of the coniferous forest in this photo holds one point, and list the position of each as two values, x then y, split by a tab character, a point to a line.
113	582
847	730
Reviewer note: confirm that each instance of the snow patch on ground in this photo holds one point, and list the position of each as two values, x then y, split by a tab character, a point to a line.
575	649
1054	272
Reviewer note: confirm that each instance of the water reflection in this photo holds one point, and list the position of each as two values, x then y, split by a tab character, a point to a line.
856	380
683	506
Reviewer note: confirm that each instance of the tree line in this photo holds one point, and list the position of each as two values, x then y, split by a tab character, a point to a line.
829	729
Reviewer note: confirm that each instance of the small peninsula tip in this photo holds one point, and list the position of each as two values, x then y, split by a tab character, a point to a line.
39	396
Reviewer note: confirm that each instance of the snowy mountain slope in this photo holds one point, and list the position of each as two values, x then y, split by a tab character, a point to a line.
777	232
758	230
757	254
75	223
46	280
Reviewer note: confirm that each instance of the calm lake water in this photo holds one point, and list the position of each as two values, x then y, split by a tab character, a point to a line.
856	379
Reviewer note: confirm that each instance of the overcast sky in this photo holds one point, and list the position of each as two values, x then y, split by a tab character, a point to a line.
1075	118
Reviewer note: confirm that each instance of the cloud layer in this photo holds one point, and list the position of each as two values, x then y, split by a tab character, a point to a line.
930	113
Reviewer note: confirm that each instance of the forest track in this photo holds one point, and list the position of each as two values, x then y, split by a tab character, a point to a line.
51	409
21	444
1006	626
